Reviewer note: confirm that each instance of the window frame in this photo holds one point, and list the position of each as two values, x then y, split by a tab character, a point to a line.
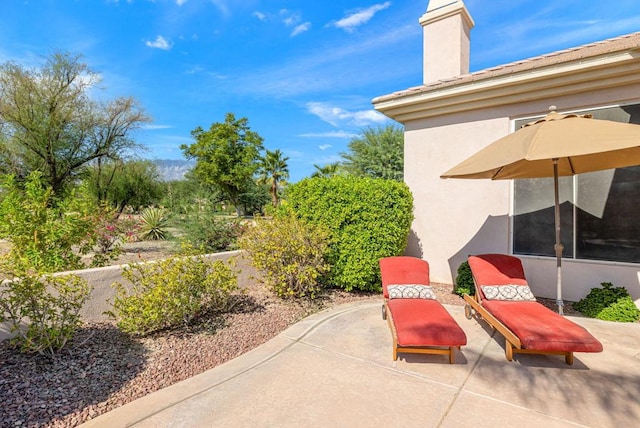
574	180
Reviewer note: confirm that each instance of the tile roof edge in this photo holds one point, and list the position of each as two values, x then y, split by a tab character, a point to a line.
614	44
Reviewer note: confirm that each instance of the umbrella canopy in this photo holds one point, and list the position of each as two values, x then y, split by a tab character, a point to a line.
556	145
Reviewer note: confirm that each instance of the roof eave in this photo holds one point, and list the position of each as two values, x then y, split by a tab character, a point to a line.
546	82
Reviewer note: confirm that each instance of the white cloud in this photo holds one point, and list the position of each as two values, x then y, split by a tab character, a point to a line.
222	7
260	15
291	20
350	22
332	134
301	29
180	2
324	146
159	43
195	70
152	127
294	154
337	116
325	160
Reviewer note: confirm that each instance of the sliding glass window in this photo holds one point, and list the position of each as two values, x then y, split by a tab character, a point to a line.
598	211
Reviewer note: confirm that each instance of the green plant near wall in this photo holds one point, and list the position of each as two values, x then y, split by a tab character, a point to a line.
290	253
43	311
609	303
171	292
367	219
464	280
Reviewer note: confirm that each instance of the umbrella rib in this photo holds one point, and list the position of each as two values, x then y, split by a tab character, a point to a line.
573	171
493	177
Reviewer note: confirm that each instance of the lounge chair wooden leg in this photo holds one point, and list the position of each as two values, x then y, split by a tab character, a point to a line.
395	348
508	350
569	358
451	355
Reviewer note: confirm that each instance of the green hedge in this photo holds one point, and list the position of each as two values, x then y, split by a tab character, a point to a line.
367	218
464	281
609	303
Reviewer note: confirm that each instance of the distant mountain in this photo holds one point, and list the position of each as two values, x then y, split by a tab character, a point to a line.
173	169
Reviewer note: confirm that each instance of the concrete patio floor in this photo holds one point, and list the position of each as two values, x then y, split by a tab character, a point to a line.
334	369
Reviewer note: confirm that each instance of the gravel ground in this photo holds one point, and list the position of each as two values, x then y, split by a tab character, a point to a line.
103	368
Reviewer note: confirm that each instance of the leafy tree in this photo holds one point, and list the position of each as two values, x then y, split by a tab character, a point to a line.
254	198
120	184
379	153
274	171
49	122
226	156
190	195
326	171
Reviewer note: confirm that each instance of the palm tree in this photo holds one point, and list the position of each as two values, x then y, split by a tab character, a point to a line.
329	170
273	170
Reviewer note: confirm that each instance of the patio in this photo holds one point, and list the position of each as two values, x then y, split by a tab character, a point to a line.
335	369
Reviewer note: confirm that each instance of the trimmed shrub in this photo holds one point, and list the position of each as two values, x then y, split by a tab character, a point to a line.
43	311
171	292
290	253
609	303
368	219
464	280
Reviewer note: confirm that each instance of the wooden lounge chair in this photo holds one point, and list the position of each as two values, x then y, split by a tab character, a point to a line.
418	322
504	300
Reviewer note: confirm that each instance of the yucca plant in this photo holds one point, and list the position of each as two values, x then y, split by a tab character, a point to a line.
154	224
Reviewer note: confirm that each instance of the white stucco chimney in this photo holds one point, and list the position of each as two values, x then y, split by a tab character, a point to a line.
446	28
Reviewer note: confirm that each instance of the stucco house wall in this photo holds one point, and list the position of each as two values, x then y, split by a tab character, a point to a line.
449	120
453	218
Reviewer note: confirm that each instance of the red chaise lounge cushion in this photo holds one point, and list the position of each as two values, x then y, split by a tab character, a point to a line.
540	328
536	326
420	321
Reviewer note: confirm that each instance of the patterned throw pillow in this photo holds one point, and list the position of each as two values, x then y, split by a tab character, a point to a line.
410	291
508	292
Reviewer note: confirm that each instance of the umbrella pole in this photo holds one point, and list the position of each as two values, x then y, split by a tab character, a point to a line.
558	247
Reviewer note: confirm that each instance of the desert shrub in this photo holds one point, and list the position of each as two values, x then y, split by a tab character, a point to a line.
154	224
368	219
212	233
609	303
290	253
111	232
42	311
464	280
171	292
47	233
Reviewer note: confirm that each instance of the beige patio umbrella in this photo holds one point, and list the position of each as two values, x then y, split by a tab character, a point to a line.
556	145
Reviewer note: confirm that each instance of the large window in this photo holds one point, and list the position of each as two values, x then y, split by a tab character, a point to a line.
598	211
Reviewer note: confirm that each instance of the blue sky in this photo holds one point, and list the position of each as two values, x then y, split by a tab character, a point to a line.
303	72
